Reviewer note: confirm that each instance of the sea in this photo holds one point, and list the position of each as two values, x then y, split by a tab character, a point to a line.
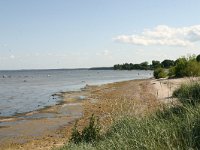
23	91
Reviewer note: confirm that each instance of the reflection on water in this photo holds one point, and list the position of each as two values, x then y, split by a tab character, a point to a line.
28	90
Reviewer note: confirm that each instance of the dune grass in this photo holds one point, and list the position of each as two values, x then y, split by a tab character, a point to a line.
177	127
188	93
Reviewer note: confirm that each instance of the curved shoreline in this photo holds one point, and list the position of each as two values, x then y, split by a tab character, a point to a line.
31	96
60	97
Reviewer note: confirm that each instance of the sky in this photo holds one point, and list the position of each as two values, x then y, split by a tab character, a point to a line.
51	34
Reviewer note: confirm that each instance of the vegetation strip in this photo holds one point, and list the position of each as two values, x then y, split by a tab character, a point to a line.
176	127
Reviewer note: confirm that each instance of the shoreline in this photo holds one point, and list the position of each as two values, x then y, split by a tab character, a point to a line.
60	96
105	101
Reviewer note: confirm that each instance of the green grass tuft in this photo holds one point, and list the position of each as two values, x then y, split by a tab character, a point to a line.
188	93
89	134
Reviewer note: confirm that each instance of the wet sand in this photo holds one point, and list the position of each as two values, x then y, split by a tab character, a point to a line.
51	127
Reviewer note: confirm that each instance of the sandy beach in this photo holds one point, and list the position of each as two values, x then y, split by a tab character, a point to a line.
51	127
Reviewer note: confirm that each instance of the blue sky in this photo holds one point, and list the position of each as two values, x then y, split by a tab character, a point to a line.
38	34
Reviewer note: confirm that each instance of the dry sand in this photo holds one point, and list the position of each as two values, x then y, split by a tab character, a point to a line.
164	88
51	127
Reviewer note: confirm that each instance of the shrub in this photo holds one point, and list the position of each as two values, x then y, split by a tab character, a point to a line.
159	73
89	134
181	64
186	67
76	136
171	72
193	68
92	132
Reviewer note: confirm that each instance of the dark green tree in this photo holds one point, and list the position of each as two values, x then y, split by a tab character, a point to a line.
117	67
167	63
156	64
198	58
144	65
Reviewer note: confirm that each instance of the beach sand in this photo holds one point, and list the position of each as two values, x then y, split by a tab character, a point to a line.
51	127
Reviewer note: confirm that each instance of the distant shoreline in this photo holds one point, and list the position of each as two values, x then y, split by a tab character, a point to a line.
90	68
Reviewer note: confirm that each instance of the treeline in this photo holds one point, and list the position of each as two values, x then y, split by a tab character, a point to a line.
130	66
101	68
182	67
144	65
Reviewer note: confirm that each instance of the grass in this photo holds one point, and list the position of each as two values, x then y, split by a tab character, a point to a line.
176	127
188	93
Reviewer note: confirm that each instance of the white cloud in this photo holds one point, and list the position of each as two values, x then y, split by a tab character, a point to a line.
164	35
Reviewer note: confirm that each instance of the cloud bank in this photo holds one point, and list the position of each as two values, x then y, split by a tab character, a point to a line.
163	35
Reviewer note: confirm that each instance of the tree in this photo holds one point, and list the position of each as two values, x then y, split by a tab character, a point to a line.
144	65
198	58
181	64
167	63
156	64
117	67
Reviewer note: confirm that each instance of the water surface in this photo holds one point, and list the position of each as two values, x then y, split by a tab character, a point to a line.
28	90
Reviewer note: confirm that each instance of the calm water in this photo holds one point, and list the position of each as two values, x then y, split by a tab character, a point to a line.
25	91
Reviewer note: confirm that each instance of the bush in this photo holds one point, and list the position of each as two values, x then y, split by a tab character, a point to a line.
92	132
188	94
180	68
76	136
193	68
159	73
89	134
187	67
171	72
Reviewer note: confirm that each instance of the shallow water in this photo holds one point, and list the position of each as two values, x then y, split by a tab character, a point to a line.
29	90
